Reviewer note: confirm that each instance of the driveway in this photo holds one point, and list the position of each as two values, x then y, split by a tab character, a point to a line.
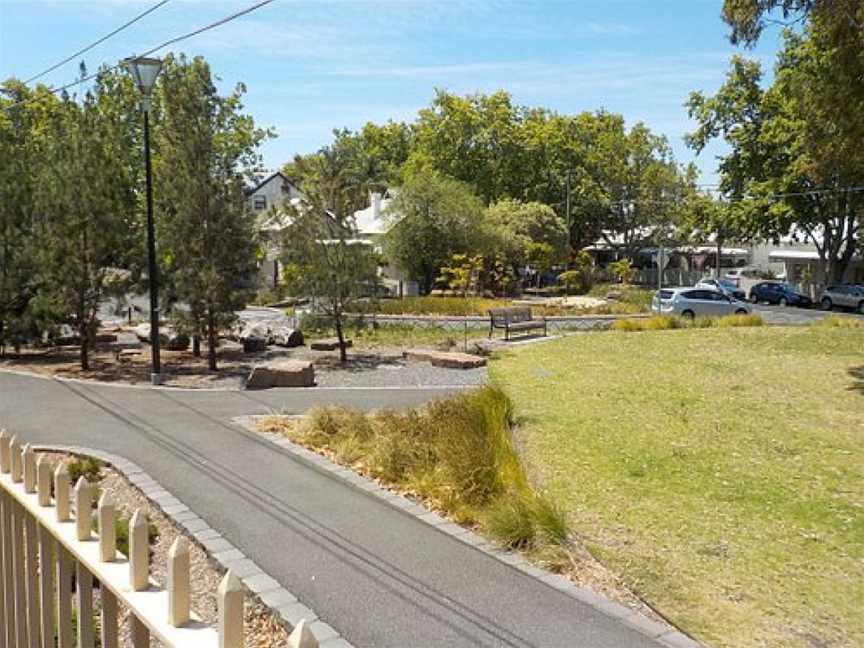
375	573
793	315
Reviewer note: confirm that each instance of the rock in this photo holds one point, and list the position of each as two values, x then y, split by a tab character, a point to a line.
124	355
142	332
260	330
447	360
614	295
288	337
254	344
281	373
328	344
177	341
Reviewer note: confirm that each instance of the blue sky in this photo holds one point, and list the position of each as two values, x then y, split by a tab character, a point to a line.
311	66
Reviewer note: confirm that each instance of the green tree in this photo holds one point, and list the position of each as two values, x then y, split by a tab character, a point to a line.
84	206
328	263
519	226
206	231
434	217
792	160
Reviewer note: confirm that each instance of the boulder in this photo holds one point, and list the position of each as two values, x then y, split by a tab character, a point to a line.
328	344
254	344
260	330
142	332
288	337
177	341
447	360
281	373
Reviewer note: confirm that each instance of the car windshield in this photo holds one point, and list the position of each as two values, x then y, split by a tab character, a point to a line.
665	294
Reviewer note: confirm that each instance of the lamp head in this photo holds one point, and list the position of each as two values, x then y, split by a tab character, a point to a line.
144	71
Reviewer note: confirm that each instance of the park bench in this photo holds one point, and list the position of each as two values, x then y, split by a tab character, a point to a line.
514	320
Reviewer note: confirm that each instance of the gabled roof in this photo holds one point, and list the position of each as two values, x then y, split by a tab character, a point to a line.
262	178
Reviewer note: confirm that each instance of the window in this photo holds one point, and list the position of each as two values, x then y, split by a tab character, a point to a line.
259	202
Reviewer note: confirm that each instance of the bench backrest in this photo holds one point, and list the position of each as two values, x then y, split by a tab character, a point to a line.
502	316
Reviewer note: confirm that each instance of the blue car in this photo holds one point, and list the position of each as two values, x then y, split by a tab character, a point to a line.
772	292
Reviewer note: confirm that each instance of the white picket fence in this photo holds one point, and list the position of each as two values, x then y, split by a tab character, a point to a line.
45	541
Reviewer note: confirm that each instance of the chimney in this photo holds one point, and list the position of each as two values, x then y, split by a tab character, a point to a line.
375	203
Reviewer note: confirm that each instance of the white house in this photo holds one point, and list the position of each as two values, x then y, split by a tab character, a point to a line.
371	224
266	192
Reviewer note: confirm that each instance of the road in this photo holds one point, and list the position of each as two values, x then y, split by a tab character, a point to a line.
793	315
375	573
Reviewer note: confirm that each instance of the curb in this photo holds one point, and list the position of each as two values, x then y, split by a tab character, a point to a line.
662	633
225	555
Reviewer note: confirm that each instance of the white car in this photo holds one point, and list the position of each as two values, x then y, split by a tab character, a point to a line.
696	302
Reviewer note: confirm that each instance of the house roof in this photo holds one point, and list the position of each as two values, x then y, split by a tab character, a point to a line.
261	178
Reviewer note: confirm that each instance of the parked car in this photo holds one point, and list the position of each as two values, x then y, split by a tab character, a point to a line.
726	286
772	292
844	296
696	302
737	274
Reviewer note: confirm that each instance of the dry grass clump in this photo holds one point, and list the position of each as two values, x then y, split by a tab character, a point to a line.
670	322
456	454
834	321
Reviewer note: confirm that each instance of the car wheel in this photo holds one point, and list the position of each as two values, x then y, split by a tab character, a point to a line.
826	304
861	308
783	302
688	314
754	298
741	311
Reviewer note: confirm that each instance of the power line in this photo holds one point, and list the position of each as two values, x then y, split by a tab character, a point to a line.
98	42
172	41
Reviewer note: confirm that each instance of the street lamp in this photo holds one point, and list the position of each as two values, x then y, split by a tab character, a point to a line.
144	71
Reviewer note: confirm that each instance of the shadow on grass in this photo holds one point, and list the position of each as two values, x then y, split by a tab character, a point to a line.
857	374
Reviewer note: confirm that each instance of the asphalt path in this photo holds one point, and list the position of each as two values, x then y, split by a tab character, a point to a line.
375	573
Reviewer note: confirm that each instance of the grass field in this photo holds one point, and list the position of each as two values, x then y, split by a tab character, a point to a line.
719	472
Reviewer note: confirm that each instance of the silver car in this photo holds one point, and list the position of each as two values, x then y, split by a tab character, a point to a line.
696	302
844	296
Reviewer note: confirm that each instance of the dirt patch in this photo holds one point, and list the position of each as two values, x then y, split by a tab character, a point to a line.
262	629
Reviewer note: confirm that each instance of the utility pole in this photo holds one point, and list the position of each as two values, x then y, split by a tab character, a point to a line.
567	207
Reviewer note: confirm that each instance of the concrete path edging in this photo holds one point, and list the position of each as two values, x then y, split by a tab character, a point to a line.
672	638
225	555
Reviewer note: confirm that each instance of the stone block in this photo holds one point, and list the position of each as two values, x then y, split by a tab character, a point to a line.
254	344
446	359
282	373
328	344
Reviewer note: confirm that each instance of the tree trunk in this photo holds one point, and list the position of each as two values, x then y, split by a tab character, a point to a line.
196	345
340	334
211	340
85	348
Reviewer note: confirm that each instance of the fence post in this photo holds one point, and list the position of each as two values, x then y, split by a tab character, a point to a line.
15	460
139	553
5	548
230	604
43	480
61	493
302	637
18	573
5	457
31	549
28	459
107	535
46	586
178	583
85	605
83	514
64	598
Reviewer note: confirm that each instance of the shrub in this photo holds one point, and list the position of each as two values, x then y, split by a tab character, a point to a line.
457	453
623	271
86	467
740	320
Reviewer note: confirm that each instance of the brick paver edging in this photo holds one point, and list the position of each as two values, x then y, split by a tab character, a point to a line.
224	554
660	632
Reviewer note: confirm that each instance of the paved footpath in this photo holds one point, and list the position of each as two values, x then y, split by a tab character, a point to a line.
377	574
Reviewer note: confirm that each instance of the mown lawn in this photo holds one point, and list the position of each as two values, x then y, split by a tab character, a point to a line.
719	472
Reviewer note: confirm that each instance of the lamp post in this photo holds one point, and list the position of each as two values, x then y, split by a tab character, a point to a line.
144	71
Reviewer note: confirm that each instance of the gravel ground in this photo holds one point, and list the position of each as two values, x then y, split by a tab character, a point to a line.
395	372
